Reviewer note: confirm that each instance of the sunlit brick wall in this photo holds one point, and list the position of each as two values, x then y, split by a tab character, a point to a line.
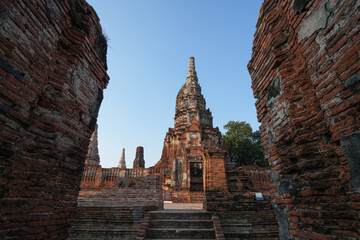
305	76
52	74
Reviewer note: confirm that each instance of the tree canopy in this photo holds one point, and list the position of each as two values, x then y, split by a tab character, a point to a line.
244	145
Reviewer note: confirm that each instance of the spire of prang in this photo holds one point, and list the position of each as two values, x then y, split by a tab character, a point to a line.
191	76
122	163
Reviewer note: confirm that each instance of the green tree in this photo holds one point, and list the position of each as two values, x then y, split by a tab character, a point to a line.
244	145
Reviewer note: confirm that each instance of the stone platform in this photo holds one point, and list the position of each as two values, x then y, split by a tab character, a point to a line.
171	205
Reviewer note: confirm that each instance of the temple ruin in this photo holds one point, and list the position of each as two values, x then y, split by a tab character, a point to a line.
305	77
194	168
184	145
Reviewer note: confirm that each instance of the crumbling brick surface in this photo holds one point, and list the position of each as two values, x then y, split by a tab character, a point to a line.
215	170
113	202
249	178
240	213
305	76
52	74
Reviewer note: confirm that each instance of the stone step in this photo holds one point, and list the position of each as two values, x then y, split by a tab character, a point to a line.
191	224
181	224
181	215
88	224
249	237
238	228
180	233
109	234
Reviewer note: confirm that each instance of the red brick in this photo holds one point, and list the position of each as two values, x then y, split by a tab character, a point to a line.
31	177
317	87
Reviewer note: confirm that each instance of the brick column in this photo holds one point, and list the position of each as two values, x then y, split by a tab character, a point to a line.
215	171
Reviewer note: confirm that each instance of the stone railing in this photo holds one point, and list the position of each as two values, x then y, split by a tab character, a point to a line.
158	170
258	177
248	178
94	177
110	174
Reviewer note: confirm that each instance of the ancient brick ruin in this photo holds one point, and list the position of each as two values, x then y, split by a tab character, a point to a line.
194	167
185	143
113	202
139	161
52	73
305	76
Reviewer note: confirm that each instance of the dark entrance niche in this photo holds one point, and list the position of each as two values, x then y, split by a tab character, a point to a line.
196	176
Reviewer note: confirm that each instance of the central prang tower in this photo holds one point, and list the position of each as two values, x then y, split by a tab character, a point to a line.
185	144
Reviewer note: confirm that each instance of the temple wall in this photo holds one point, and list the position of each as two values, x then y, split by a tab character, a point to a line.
130	190
305	77
215	171
240	213
113	202
52	74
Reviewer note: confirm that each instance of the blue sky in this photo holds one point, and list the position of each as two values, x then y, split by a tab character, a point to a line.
149	44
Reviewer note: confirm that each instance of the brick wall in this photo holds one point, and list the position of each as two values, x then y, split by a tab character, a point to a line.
305	76
215	170
97	177
129	191
230	192
115	208
250	178
52	74
241	215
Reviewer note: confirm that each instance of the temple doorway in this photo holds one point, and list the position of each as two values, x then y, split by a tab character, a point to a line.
196	176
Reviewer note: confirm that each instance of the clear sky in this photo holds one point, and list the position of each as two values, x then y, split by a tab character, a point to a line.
149	45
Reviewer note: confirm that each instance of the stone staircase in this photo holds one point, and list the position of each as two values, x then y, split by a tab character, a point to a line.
106	223
247	225
236	228
180	224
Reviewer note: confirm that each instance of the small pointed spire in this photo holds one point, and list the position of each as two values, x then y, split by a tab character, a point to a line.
122	163
93	158
191	64
191	76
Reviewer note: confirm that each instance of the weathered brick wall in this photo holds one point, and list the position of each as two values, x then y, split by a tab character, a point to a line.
115	208
251	178
305	76
52	74
241	215
96	177
124	191
215	170
180	196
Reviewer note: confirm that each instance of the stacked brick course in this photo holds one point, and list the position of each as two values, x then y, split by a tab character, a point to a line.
113	202
305	76
52	74
241	215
